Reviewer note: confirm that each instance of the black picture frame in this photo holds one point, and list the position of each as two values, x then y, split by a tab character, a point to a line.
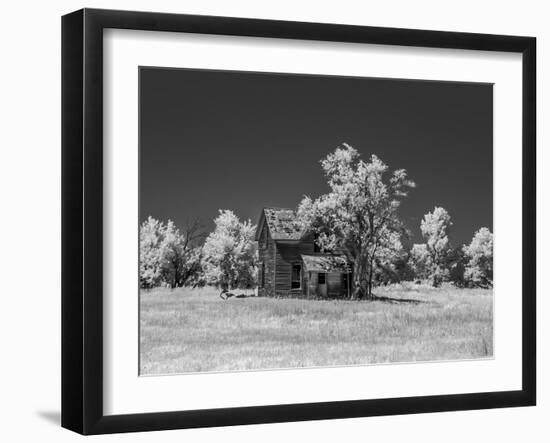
82	218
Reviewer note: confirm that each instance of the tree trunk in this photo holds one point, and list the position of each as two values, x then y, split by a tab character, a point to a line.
363	274
369	287
370	277
357	292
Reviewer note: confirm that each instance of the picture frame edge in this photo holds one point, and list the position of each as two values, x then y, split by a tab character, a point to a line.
82	359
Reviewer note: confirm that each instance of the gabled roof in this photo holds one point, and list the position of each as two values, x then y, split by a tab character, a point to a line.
325	263
282	224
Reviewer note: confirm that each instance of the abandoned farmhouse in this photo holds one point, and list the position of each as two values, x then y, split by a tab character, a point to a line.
291	264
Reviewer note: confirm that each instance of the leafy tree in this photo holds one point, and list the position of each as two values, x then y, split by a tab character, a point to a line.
479	259
358	217
435	229
456	265
420	261
391	259
400	268
180	255
230	253
151	234
168	255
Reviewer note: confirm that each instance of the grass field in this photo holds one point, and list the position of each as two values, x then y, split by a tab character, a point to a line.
188	330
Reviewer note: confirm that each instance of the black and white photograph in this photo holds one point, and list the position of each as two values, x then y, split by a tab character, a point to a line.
301	221
285	221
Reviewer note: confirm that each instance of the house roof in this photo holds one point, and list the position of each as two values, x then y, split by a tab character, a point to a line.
282	224
325	263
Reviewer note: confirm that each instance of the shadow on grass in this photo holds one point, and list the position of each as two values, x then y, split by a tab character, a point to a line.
384	299
228	295
393	300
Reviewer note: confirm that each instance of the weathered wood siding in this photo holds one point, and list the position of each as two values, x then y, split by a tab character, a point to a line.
266	254
336	285
312	284
288	253
278	258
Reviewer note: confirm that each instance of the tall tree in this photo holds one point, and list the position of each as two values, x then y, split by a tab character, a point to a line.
479	259
230	253
358	217
435	229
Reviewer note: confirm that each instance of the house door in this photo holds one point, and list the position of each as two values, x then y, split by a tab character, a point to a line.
322	284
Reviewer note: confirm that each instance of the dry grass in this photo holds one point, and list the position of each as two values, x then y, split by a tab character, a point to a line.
194	330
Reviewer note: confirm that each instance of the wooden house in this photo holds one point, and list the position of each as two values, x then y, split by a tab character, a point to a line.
291	263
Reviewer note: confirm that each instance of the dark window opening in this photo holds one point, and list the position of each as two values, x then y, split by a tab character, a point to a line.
296	280
322	279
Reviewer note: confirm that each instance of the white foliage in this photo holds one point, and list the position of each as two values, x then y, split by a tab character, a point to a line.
358	217
230	253
435	228
167	255
420	261
479	259
151	234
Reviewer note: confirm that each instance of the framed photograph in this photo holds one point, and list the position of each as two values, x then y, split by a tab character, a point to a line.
269	221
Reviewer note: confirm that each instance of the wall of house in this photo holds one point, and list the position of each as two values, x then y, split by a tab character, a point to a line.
286	255
278	258
312	278
266	255
336	285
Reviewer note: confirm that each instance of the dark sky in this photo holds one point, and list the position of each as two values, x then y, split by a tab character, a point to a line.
214	140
